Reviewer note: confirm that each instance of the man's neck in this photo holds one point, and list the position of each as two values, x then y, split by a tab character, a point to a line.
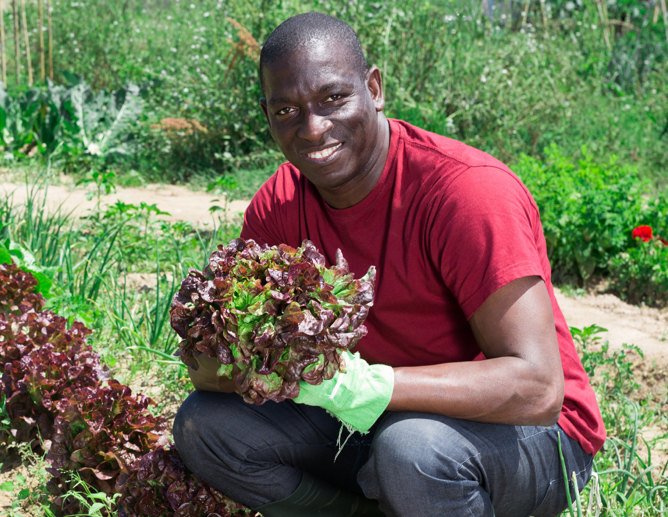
362	184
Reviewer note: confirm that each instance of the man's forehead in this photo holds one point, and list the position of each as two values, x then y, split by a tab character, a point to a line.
318	68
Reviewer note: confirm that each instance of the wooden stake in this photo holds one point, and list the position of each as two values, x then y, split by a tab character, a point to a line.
525	12
48	17
40	41
2	43
26	40
17	49
665	17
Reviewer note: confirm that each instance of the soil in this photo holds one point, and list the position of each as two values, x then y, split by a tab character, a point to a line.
645	327
181	203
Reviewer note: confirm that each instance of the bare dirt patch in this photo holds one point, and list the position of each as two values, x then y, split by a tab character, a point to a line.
646	327
182	204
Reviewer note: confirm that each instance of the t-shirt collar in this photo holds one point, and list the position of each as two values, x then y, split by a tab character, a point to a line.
385	179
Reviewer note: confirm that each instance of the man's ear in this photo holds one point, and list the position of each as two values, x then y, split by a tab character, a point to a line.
263	104
374	83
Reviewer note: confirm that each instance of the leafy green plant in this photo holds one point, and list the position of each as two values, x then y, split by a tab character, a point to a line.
640	274
68	121
616	368
90	501
587	210
271	316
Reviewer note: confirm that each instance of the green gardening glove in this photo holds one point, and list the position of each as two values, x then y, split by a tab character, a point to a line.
357	397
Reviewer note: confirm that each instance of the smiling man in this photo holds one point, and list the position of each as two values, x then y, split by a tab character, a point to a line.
463	275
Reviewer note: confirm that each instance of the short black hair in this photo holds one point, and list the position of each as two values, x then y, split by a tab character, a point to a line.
304	29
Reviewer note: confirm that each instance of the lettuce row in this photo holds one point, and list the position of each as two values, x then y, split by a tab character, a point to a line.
59	397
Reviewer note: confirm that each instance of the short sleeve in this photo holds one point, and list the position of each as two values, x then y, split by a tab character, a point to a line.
263	219
484	234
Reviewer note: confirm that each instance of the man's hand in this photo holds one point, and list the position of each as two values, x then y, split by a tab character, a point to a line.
520	383
205	378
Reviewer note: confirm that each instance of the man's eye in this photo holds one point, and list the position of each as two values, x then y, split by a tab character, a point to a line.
284	111
334	97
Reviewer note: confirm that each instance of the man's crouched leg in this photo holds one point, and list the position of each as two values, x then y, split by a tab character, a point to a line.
422	464
278	458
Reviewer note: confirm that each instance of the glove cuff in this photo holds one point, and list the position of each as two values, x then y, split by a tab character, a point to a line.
371	400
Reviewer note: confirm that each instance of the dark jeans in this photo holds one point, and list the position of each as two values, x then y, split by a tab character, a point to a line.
414	464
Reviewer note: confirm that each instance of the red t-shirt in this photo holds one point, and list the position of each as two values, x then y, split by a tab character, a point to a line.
446	226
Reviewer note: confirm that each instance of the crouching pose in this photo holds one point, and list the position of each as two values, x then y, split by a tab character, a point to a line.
468	378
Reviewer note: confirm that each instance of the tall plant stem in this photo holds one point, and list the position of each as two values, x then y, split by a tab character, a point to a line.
665	17
17	48
2	43
604	23
543	15
42	67
24	22
48	17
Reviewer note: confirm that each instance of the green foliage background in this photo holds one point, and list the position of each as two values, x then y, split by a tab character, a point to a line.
485	78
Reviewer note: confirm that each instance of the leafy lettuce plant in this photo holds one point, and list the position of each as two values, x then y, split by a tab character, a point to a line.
39	356
271	316
17	289
102	432
56	394
163	486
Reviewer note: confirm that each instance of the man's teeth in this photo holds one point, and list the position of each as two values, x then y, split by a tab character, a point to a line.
325	153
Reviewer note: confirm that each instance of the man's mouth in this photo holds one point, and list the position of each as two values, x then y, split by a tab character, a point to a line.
324	154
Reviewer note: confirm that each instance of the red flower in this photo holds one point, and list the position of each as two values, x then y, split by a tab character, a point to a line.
643	232
663	241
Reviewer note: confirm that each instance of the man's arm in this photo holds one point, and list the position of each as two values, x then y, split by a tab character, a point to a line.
520	383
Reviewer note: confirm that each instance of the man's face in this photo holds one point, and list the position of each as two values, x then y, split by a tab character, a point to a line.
323	114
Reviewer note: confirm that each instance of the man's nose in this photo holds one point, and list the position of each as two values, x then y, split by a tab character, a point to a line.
314	127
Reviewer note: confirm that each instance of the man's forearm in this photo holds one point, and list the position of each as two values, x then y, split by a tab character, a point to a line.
505	390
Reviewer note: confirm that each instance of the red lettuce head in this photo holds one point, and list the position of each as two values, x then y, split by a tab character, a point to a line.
274	316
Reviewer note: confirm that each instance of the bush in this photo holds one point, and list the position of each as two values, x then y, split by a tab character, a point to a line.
640	274
588	210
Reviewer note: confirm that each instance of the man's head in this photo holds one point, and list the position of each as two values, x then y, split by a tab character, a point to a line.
324	105
302	31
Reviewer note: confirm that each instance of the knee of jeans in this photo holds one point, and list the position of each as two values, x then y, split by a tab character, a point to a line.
406	446
188	424
197	429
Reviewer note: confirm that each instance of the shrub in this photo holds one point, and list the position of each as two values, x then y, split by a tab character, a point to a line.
640	274
587	210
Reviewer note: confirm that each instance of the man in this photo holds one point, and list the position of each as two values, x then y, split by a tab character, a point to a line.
462	274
